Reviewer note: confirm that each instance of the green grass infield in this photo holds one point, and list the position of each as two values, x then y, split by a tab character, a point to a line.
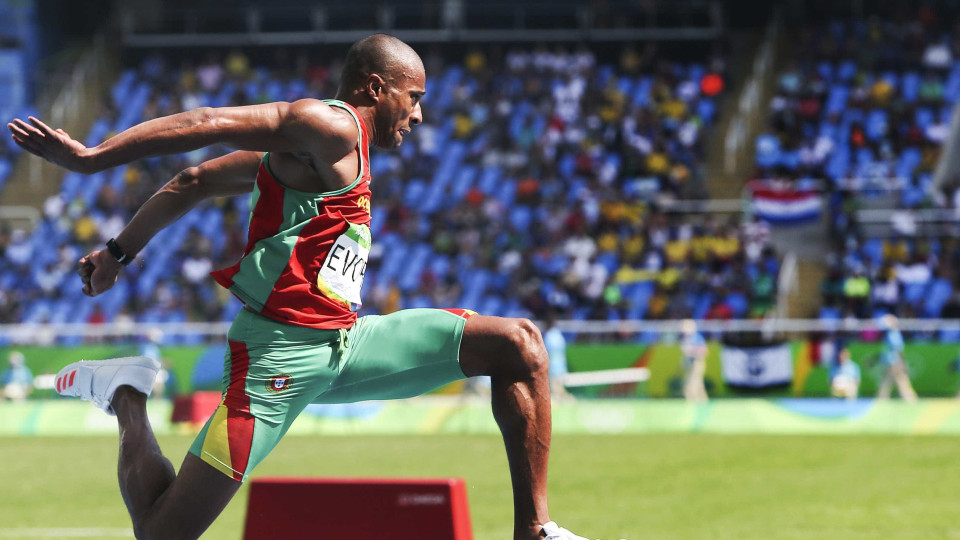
646	486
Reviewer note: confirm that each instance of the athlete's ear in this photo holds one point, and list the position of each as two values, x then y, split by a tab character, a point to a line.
375	87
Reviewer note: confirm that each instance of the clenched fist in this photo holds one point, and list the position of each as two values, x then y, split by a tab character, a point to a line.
99	272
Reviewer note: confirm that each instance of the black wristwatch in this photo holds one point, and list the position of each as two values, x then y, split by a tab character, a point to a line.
117	253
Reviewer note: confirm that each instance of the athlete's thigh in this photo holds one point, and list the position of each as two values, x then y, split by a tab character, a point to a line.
403	354
271	372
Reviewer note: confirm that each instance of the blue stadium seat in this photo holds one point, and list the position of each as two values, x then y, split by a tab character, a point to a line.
951	90
738	304
825	70
419	301
491	305
462	182
641	92
908	161
937	296
836	100
923	117
489	179
706	110
5	169
521	217
914	293
877	124
829	313
873	251
506	192
414	266
768	150
703	304
439	265
948	336
413	192
910	86
610	261
475	286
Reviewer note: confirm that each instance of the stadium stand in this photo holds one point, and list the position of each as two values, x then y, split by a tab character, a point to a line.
18	50
530	188
861	112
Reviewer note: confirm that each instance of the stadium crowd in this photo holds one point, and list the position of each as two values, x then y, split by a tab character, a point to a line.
532	187
861	112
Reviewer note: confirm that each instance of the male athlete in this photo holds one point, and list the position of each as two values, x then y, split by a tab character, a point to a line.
297	340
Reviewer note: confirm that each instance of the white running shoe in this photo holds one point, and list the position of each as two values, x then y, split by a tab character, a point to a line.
96	381
556	532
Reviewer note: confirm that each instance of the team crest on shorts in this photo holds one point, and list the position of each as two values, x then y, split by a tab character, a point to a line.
280	383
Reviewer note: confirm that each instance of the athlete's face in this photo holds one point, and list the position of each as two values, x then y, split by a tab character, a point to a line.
399	109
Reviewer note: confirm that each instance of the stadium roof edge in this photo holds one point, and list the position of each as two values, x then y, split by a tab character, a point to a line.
419	36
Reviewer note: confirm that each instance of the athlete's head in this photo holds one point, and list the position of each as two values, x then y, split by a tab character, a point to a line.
389	74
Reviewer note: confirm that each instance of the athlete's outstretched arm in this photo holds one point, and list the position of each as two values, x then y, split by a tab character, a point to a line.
233	174
307	125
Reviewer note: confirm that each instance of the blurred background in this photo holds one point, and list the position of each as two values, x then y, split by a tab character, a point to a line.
727	218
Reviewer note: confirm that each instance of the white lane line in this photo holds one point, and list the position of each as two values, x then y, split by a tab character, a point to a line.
72	532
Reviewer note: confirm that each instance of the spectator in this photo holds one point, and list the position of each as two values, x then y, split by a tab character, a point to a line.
856	292
694	350
886	293
831	289
19	251
844	375
556	346
938	55
720	310
763	290
893	361
166	383
17	379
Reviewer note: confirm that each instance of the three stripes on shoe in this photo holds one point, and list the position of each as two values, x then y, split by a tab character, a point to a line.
66	381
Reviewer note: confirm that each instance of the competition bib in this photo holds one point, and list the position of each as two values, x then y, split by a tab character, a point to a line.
341	274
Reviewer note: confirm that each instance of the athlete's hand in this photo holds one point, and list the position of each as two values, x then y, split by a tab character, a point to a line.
99	272
55	146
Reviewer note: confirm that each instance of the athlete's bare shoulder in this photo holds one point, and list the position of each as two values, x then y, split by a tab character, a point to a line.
323	146
329	132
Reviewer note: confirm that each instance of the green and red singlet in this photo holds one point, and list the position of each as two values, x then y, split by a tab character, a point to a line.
306	253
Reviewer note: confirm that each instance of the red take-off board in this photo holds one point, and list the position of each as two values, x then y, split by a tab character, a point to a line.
357	509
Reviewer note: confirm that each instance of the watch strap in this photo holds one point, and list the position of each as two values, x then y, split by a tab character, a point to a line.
118	253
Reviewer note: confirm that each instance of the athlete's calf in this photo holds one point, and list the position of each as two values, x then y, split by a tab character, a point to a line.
512	353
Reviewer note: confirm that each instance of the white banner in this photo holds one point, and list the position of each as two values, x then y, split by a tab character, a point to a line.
757	367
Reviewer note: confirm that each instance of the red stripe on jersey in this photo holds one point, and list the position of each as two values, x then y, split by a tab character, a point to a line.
265	220
295	297
237	398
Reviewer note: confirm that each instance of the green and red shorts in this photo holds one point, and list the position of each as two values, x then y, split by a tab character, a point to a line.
274	370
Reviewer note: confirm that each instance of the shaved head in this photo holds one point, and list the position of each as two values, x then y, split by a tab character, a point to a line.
379	54
384	79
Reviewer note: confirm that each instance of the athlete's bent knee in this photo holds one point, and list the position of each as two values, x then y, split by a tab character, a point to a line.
528	345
